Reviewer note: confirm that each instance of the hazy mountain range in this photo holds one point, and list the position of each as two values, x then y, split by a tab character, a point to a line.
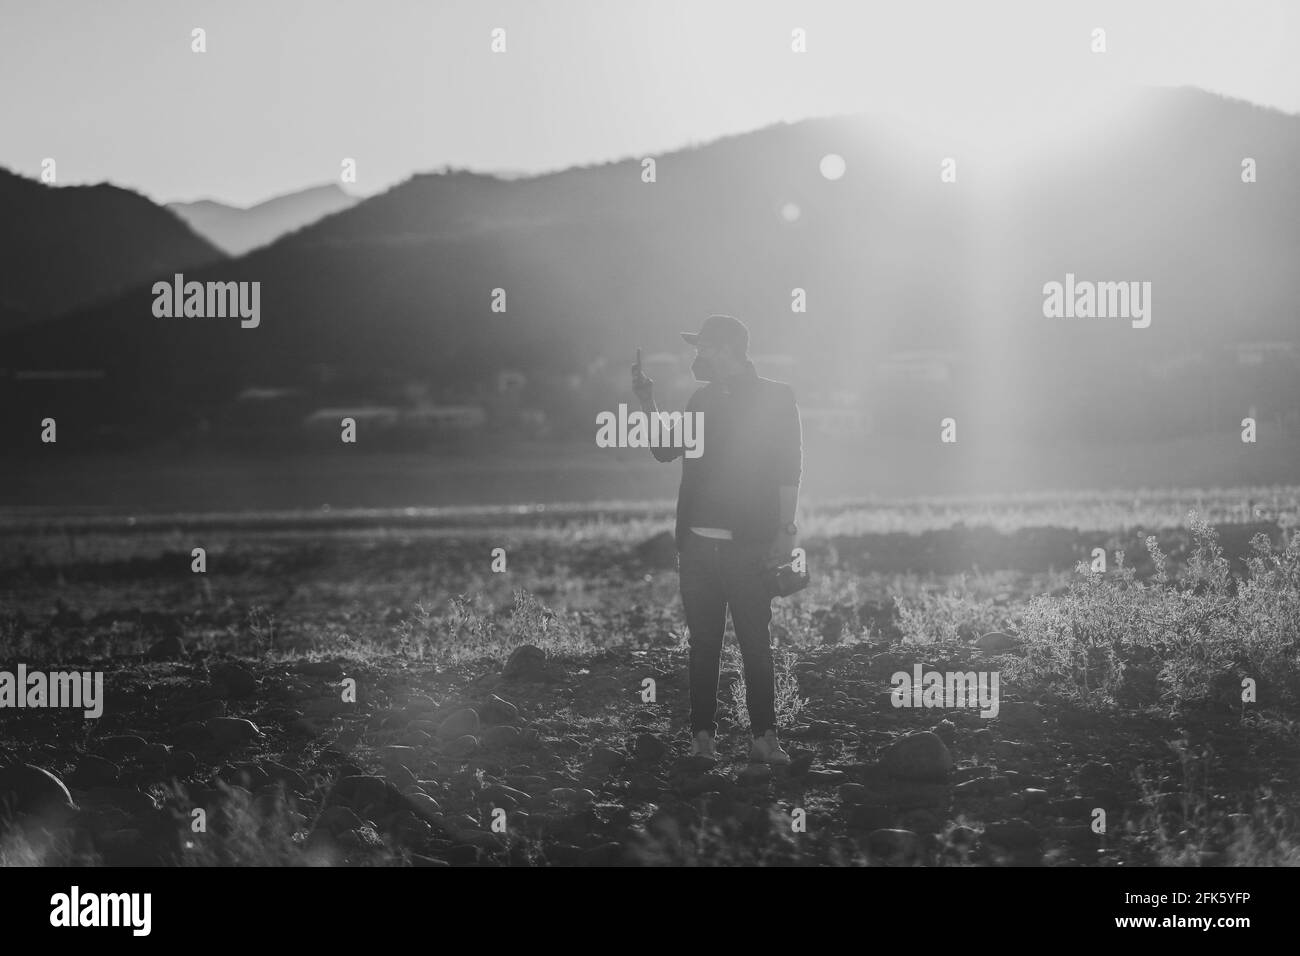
67	247
902	271
237	231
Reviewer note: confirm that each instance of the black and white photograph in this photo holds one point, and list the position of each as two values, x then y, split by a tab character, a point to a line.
698	433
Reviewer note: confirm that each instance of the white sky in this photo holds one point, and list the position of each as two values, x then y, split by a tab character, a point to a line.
111	90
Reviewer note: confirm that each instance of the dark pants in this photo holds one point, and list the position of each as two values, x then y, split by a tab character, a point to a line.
716	575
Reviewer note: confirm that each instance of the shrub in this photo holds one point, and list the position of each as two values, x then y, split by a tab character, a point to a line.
466	633
931	617
1112	639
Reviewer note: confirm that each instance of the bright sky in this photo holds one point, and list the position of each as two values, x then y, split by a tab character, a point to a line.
287	88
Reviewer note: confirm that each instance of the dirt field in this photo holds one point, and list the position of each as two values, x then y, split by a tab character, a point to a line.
357	688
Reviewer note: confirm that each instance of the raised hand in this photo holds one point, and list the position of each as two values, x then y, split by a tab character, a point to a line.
642	386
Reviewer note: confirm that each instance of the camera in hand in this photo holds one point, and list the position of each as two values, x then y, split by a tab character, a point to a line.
784	580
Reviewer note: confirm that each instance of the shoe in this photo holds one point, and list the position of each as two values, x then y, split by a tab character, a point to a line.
702	745
767	749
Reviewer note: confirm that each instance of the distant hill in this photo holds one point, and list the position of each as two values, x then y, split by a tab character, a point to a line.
238	231
894	262
69	246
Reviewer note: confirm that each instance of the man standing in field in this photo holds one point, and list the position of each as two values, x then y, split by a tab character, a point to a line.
735	519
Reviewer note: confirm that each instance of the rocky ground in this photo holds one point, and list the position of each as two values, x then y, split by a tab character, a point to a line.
548	762
308	747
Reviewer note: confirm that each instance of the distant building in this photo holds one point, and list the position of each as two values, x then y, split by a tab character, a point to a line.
511	380
922	366
428	418
447	417
838	422
1257	353
255	394
384	416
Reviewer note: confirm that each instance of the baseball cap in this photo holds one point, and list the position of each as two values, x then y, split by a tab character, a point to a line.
721	330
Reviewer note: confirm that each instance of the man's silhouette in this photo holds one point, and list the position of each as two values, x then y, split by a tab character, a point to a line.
735	519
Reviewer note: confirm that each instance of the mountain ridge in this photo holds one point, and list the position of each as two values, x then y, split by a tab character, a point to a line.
66	247
398	287
239	230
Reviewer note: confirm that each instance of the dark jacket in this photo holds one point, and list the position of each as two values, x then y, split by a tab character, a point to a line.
751	444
